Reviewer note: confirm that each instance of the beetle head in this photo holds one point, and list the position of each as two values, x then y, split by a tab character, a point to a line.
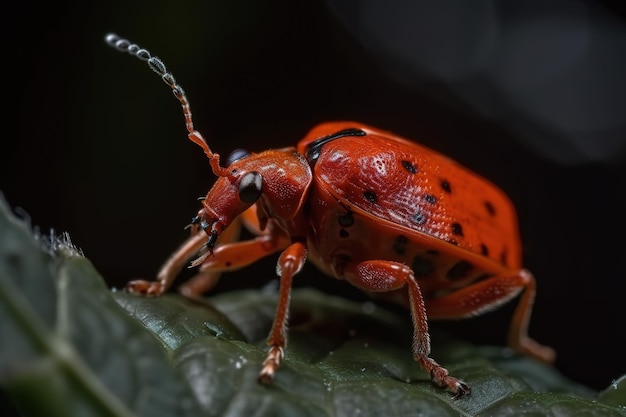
276	181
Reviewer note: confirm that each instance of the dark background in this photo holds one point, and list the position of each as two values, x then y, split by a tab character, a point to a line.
527	96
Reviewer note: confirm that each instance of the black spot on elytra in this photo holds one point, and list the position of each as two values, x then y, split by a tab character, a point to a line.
446	186
340	262
228	264
422	267
504	255
432	252
457	229
408	165
399	245
490	208
484	249
418	218
460	270
430	198
343	233
482	277
370	196
346	219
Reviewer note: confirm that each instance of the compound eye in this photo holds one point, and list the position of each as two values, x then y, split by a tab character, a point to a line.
236	155
250	187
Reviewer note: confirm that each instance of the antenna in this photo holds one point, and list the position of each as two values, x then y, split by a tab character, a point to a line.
156	65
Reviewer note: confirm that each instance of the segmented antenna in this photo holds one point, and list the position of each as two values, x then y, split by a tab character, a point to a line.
123	45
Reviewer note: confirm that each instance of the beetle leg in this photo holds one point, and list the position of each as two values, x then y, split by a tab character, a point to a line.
290	263
383	276
488	294
170	268
179	259
230	257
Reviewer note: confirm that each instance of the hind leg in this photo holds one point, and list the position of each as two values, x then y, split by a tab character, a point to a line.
384	276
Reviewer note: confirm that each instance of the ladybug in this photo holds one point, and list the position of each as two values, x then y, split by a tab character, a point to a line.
393	218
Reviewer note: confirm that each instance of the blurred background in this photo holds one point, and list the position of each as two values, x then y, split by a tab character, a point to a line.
529	95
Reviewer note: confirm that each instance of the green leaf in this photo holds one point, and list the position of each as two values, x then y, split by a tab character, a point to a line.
66	348
346	359
70	346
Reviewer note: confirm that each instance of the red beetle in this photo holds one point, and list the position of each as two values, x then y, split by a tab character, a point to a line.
393	218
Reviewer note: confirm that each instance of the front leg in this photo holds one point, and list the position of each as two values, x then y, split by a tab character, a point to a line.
290	263
384	276
228	255
179	259
170	269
